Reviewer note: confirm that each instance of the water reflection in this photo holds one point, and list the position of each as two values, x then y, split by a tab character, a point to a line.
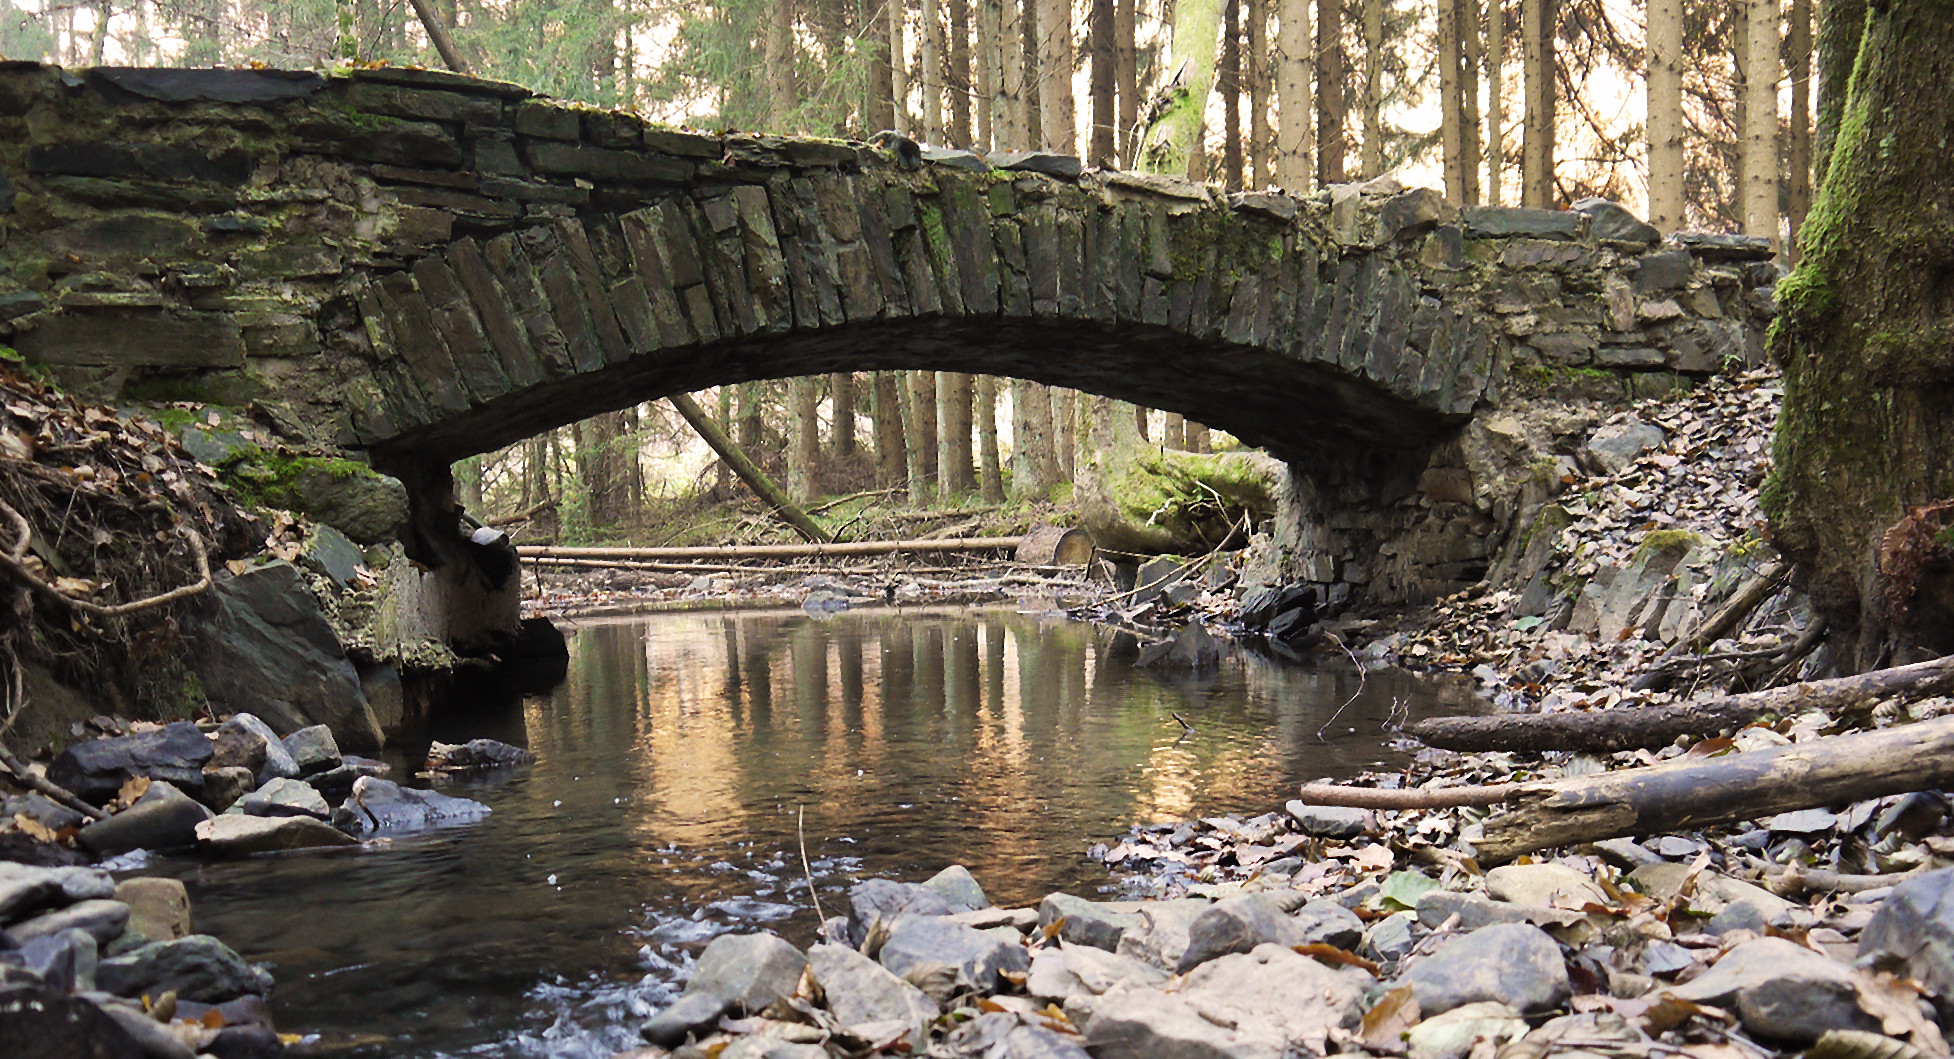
673	763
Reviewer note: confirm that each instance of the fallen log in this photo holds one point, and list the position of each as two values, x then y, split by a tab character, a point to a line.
1638	727
1688	793
748	472
1747	599
732	552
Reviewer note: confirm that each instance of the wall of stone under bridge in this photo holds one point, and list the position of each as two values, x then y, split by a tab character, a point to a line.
417	266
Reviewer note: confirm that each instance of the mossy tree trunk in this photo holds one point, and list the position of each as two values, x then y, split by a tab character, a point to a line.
1866	336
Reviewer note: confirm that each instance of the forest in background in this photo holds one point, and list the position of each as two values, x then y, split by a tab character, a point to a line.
1697	113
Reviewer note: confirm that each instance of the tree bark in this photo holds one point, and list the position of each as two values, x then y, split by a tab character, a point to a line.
804	437
1330	103
841	392
1173	139
1840	24
990	473
1665	124
897	12
953	415
1495	99
1295	162
1373	149
1034	464
1102	151
956	77
929	61
885	405
1258	83
1008	113
1034	130
1863	332
1126	76
437	32
1228	84
1798	161
880	112
748	473
1057	118
989	72
1472	55
780	66
1638	727
918	432
1065	425
1761	123
1450	104
1537	31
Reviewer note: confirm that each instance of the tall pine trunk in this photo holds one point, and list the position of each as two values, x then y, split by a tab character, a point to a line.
1472	55
1126	73
896	13
1866	432
1102	151
1331	107
1666	114
885	408
1798	159
956	76
1761	123
780	66
990	473
1373	156
1451	113
1034	464
1008	110
841	391
1228	82
953	420
1537	173
1057	117
1256	82
929	62
804	437
1495	100
989	71
1295	164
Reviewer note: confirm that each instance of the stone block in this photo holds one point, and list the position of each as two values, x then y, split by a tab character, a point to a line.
135	338
601	164
1505	222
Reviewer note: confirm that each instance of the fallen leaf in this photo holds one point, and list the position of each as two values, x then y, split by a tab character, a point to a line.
1388	1020
1334	956
1895	1002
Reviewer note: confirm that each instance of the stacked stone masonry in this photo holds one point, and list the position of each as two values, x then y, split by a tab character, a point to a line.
419	266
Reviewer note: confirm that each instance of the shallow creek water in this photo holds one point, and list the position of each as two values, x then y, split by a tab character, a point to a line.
672	764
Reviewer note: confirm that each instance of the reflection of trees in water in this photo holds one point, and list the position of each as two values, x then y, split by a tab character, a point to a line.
1013	738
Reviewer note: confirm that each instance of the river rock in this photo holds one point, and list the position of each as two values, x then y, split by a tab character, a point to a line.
1781	990
1714	890
1239	924
236	746
163	818
198	967
690	1014
747	971
246	730
156	1040
337	783
1453	1034
282	797
1191	650
24	887
224	786
760	1046
236	835
40	1022
1165	938
1278	1003
159	908
1388	940
886	900
860	990
97	769
382	805
1328	821
313	749
960	887
1615	446
268	650
1612	222
1912	930
1476	910
927	949
66	960
48	813
1002	1035
102	919
1086	922
245	1042
1069	971
476	754
1548	885
1514	963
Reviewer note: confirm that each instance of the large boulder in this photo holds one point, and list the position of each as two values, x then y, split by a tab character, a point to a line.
97	769
198	967
243	739
1270	1002
159	908
163	818
747	971
237	835
269	650
101	919
365	505
1782	990
1913	931
382	805
1516	964
860	990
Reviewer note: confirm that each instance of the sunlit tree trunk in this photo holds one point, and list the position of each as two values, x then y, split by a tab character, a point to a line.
1472	55
1537	29
804	437
1034	465
880	112
929	72
841	391
990	474
1065	432
896	12
1330	103
916	440
1101	151
953	421
1173	435
1261	141
957	75
1126	73
1451	112
1295	164
780	65
1666	114
1057	117
1172	142
1373	157
1798	46
1228	84
885	407
1034	129
1008	111
924	440
1197	437
1495	99
989	71
1761	123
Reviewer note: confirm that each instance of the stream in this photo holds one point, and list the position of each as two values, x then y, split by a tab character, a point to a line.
674	764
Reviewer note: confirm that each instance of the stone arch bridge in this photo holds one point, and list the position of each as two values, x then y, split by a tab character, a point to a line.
416	266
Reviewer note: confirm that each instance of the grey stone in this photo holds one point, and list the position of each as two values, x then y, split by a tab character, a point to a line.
336	784
956	159
65	960
1063	166
49	814
1781	990
41	1022
159	908
1913	929
210	85
368	507
329	552
26	887
224	786
1269	1002
1192	649
1738	915
1663	272
1611	222
860	990
235	746
1239	924
1515	964
1086	922
313	749
155	1039
1616	445
1388	940
1326	922
975	960
476	755
382	805
1455	1033
1720	247
1328	821
163	818
1069	971
1504	222
1001	1035
747	971
1549	885
760	1046
1475	911
960	887
97	769
886	900
689	1015
241	729
102	919
1803	822
1165	938
238	835
198	967
283	797
268	650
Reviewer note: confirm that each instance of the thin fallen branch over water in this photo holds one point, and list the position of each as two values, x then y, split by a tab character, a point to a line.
1637	727
748	472
774	551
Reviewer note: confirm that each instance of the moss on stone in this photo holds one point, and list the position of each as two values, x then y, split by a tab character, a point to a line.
268	480
1666	540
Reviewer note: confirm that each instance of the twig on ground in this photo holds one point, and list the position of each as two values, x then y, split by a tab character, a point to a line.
807	870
